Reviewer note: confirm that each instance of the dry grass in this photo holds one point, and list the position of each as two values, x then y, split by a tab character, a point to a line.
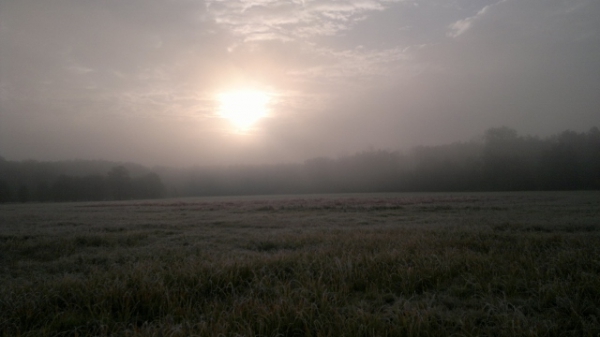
520	264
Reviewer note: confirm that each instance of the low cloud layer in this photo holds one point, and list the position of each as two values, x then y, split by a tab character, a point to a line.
138	80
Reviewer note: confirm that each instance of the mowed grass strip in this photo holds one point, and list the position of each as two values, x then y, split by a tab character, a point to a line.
464	281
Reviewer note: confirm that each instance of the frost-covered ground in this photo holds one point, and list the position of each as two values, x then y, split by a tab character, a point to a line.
500	264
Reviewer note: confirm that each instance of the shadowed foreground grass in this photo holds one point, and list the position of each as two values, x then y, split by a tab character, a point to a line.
511	265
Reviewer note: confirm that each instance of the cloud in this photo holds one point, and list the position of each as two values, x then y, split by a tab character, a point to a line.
459	27
291	20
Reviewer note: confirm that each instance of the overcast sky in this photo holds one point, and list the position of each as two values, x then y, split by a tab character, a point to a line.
138	80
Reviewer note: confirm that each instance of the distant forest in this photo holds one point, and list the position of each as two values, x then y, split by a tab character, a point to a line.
501	160
76	181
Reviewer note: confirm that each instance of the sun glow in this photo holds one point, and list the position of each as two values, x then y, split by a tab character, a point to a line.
243	108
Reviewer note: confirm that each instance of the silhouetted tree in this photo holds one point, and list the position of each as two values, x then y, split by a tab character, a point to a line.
509	161
93	187
23	193
64	189
42	191
119	183
149	186
591	159
453	167
5	193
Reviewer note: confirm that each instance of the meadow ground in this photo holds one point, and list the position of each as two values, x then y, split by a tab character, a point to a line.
484	264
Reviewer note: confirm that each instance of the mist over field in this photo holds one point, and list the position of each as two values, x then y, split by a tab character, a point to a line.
501	161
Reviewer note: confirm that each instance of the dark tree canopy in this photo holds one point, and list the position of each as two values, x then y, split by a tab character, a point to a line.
502	161
36	181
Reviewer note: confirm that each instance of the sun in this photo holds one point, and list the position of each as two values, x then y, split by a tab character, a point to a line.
243	108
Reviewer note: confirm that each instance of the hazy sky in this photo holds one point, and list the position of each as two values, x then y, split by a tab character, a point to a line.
139	80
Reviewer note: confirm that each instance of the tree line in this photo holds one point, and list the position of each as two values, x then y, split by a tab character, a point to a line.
39	182
501	160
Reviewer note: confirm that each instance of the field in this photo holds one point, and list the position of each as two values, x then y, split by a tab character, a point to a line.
485	264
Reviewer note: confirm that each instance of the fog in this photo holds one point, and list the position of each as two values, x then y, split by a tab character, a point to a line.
137	81
502	160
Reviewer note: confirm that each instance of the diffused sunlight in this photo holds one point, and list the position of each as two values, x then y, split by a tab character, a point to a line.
243	108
